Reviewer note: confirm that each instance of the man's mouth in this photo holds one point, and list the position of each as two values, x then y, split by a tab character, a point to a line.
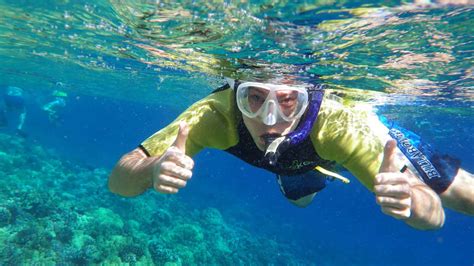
269	138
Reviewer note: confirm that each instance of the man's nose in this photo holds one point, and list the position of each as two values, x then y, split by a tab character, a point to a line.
269	113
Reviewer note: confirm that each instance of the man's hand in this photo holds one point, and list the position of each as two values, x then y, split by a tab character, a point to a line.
392	189
174	168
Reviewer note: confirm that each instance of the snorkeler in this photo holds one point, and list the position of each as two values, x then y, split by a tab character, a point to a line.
297	132
13	109
52	108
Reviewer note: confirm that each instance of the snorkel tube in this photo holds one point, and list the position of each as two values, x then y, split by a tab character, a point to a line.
277	145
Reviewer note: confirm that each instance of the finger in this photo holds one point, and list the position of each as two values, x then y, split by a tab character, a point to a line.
390	179
400	204
176	156
183	133
171	169
165	189
397	191
396	213
173	152
187	162
388	162
171	181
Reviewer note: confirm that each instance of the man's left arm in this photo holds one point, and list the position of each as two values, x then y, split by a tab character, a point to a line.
356	141
403	196
459	195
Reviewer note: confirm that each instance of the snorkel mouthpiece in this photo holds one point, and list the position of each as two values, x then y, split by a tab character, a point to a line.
273	147
270	138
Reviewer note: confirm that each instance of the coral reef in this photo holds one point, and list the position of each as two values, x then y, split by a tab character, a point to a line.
5	216
54	211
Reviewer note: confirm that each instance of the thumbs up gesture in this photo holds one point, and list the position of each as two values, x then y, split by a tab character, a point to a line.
392	188
174	168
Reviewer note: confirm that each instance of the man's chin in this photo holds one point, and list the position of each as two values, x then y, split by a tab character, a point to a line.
260	143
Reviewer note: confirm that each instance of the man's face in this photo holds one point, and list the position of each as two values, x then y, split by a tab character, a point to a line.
269	109
258	130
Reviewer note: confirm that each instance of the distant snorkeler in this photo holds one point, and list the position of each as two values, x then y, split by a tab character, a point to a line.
57	103
13	109
299	132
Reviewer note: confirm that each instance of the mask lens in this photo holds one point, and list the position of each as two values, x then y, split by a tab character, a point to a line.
292	103
256	98
250	99
288	102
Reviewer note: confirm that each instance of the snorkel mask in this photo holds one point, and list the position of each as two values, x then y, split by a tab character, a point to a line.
278	103
271	103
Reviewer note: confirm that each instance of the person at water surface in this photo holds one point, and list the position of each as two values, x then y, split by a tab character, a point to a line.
300	133
13	109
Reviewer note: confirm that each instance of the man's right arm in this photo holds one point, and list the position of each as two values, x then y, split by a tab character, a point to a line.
166	166
136	172
132	175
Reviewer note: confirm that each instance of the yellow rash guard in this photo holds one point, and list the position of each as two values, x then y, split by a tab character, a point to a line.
354	140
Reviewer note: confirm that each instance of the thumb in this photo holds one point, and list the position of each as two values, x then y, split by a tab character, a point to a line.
183	133
388	163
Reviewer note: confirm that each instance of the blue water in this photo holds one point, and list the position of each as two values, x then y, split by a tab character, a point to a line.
110	112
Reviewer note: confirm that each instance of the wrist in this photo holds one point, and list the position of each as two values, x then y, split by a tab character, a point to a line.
426	211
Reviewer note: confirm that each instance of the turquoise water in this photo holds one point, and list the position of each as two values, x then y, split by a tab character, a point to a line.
130	67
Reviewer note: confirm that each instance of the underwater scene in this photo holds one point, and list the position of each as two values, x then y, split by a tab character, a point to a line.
85	82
